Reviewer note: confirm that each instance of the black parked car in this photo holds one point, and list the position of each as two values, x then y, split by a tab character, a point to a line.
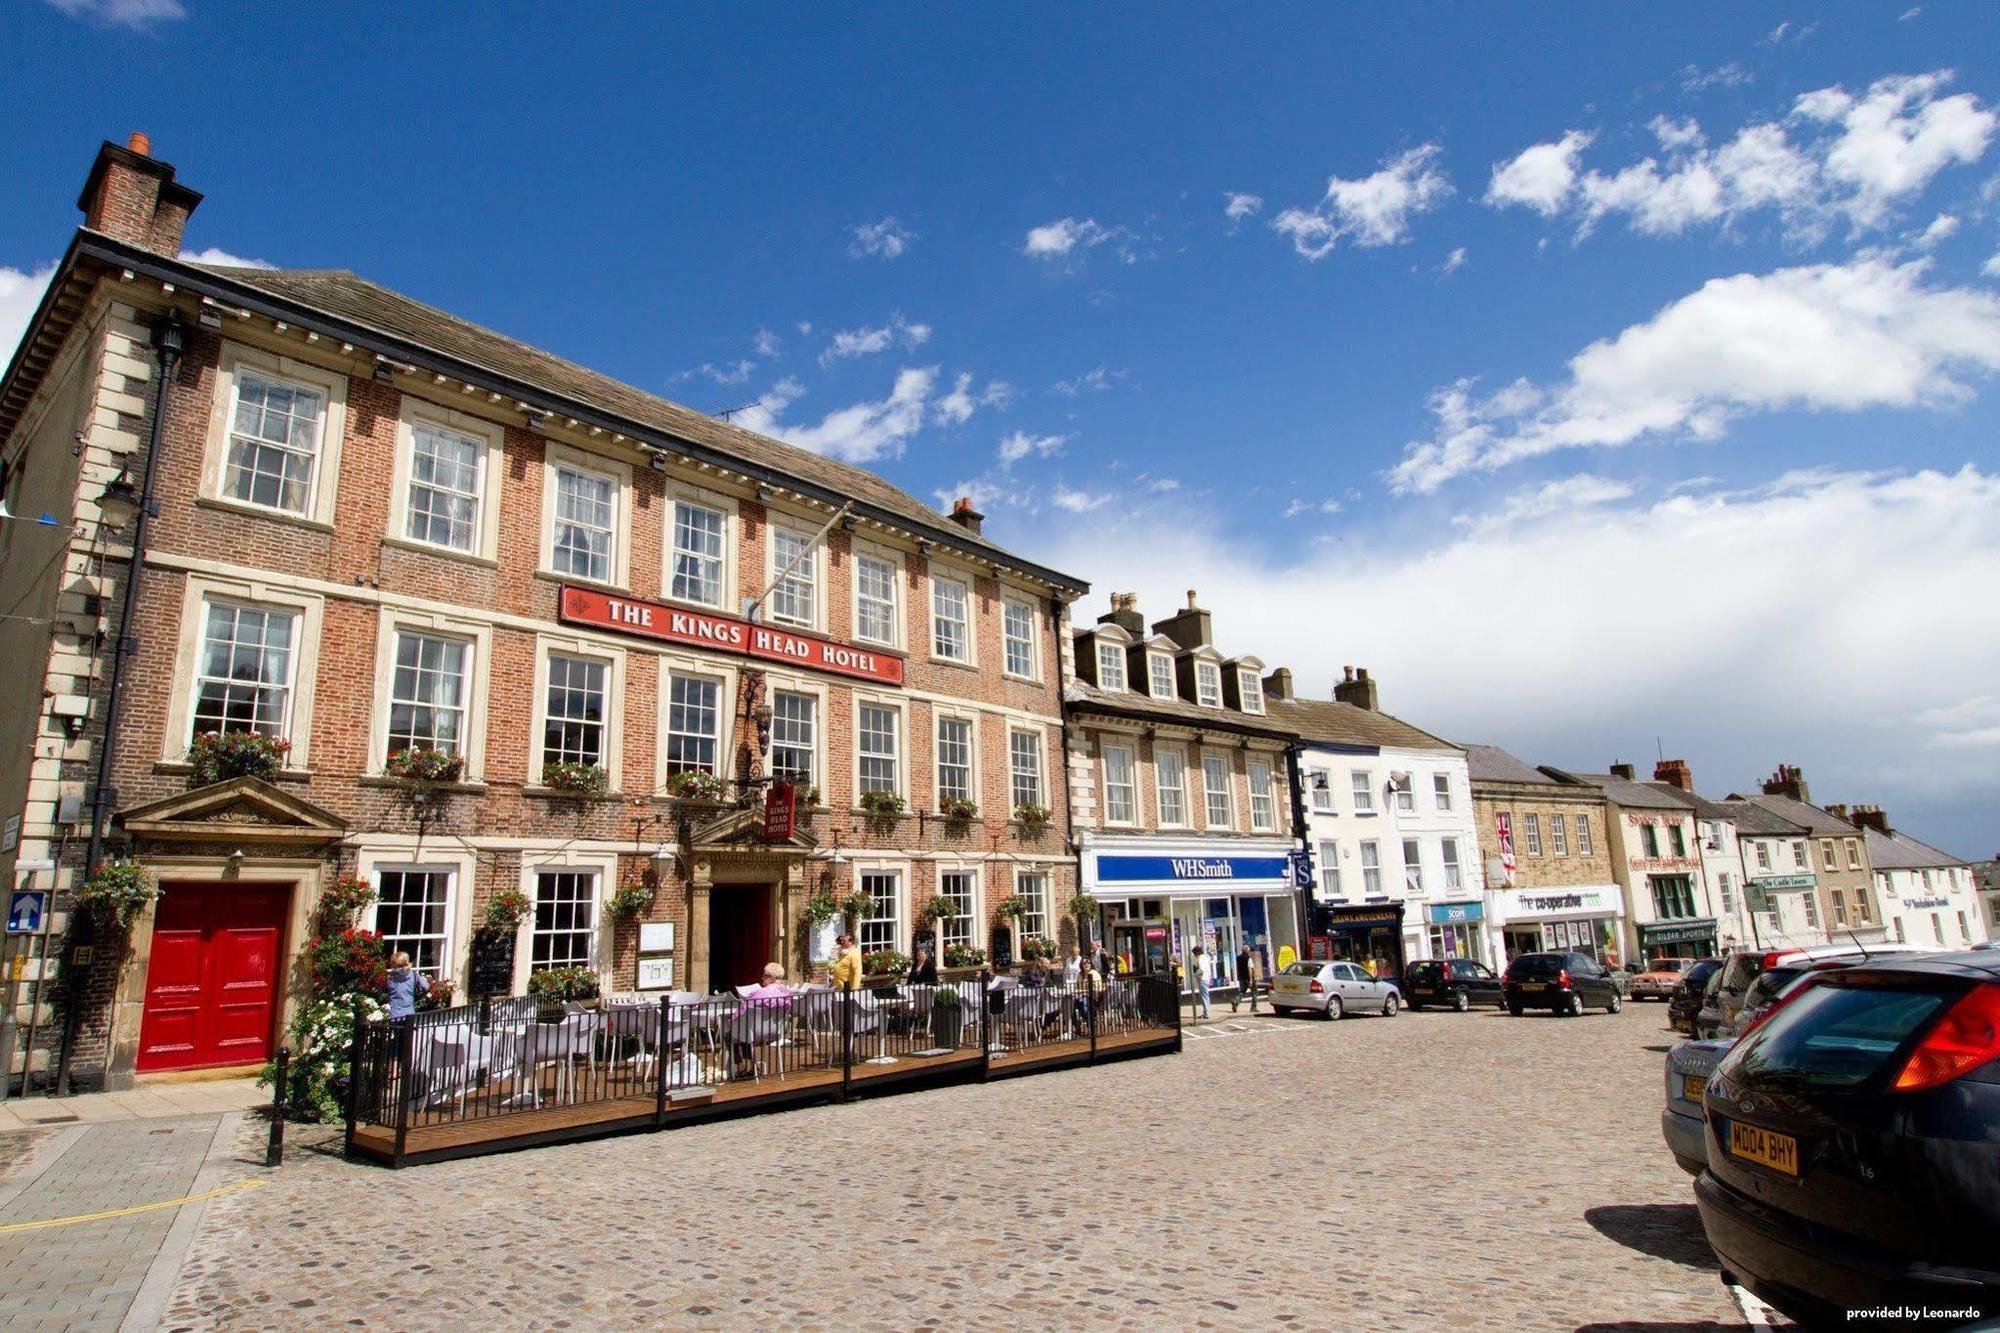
1851	1147
1686	1001
1454	983
1566	983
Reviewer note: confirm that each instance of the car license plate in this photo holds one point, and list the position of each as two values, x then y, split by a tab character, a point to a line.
1693	1086
1424	990
1534	985
1780	1152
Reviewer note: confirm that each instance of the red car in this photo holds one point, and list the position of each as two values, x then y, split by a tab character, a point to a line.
1657	982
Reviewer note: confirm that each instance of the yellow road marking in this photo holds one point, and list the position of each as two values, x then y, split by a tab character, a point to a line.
127	1212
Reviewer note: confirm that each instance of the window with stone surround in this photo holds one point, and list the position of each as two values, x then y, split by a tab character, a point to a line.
1110	666
696	557
565	923
694	724
1024	767
794	735
274	442
1120	788
1583	843
1221	808
795	595
244	679
1170	780
427	697
951	619
1531	828
960	888
1033	886
876	582
586	524
1017	624
574	721
883	926
954	759
1558	834
447	487
879	732
413	915
1263	802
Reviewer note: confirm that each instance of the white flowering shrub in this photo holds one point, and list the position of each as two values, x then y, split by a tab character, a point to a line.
321	1037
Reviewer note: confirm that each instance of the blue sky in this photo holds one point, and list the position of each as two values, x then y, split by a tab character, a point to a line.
1605	377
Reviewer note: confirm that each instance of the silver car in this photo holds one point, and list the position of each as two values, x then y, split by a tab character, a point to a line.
1334	989
1688	1067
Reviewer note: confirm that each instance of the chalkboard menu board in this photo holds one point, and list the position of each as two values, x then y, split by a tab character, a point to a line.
1003	946
492	963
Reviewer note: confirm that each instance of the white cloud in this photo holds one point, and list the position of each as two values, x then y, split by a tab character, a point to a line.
1581	690
1825	337
20	293
1077	502
1091	381
1695	79
985	493
1161	485
859	433
1553	497
1020	444
1056	240
729	372
885	239
1787	32
1241	206
221	258
1968	724
1836	157
957	406
1541	176
1369	210
768	344
1909	13
1453	262
1303	506
1942	228
898	332
1991	268
123	13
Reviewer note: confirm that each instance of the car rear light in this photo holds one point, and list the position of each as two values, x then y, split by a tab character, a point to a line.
1784	998
1318	988
1562	978
1965	1038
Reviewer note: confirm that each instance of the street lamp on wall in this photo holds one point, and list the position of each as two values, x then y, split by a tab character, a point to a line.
120	501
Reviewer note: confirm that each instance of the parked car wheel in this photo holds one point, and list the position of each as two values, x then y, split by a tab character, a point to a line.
1416	1008
1574	1009
1515	1010
1617	1003
1335	1010
1460	1001
1281	1010
1391	1005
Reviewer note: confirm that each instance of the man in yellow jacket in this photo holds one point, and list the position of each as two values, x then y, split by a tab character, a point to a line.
846	972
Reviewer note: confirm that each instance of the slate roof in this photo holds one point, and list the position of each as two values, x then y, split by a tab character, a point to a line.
1756	821
1347	724
346	296
1490	763
1700	804
1811	817
1899	851
1636	795
1132	703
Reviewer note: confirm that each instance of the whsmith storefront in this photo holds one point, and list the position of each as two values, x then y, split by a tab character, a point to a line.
1160	897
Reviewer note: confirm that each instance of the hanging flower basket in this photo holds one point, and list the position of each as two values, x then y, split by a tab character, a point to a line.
695	785
821	908
506	910
958	812
576	779
857	906
939	908
118	892
1083	907
219	756
439	766
629	902
340	902
1013	907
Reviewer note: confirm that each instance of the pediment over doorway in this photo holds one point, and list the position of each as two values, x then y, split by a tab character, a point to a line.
743	831
239	810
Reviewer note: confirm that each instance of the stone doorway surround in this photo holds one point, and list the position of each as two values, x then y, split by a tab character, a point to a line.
243	831
731	851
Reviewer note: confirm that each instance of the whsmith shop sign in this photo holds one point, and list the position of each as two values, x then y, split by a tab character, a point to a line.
674	624
1189	869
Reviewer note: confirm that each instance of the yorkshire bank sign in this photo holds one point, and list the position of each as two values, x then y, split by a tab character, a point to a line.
674	624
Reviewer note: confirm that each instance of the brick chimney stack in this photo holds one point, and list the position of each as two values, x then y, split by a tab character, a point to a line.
1357	687
1625	771
1125	615
1869	816
1278	685
963	514
1790	781
1190	628
1675	771
131	197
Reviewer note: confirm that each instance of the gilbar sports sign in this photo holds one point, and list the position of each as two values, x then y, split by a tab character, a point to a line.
674	624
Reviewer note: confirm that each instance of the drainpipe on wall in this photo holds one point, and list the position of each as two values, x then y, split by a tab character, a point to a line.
1301	897
169	342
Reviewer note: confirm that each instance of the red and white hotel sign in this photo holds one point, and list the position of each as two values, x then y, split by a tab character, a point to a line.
674	624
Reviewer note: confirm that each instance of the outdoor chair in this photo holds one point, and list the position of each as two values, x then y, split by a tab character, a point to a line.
761	1028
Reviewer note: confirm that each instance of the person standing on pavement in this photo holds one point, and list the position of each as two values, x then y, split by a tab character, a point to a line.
1201	972
1245	980
405	985
1073	968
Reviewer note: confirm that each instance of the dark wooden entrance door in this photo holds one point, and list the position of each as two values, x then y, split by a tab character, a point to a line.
212	981
741	934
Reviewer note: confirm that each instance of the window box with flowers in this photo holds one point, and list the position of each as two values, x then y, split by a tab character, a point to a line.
556	987
118	892
1032	818
218	756
1038	949
884	963
964	955
571	779
697	787
439	767
958	812
882	807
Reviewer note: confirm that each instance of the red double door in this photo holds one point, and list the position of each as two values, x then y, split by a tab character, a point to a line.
212	983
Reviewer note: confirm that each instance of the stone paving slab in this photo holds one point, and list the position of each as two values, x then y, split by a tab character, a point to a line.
145	1102
1426	1171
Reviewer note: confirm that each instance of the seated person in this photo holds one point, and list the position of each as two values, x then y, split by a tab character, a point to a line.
773	994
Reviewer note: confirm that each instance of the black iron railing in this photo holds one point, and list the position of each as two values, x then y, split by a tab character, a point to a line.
641	1058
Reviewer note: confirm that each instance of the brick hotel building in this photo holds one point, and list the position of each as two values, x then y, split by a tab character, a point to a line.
376	528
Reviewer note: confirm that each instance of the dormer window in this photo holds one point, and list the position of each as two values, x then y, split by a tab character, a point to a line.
1208	684
1252	690
1110	666
1160	675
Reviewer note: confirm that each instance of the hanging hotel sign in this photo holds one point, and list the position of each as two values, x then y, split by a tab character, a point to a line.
780	807
676	624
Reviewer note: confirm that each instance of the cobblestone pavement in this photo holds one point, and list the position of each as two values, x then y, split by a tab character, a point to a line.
87	1275
1426	1171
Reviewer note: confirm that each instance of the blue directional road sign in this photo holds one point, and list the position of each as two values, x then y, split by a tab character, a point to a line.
25	910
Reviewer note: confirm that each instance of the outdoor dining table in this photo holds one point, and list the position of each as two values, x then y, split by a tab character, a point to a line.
881	1007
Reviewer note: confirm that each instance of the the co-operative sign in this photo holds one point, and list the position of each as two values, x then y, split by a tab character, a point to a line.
673	624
